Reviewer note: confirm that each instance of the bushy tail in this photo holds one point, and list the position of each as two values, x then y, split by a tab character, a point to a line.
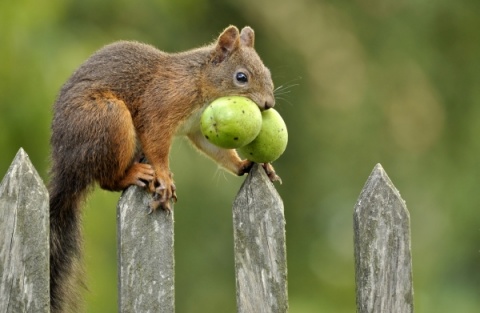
66	271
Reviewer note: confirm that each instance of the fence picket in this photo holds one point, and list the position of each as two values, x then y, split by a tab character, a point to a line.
260	253
145	255
383	263
24	239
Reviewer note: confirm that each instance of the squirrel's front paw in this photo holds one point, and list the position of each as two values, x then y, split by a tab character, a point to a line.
245	167
164	193
271	173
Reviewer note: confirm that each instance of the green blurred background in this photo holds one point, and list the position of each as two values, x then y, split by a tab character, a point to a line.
395	82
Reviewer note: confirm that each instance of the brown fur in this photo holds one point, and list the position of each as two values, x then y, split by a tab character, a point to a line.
129	99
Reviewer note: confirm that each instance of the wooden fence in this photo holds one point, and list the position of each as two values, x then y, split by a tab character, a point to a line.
146	247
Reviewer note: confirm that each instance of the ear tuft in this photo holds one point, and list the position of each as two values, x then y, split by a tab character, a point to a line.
247	36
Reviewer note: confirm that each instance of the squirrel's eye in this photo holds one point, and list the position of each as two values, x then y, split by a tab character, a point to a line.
241	77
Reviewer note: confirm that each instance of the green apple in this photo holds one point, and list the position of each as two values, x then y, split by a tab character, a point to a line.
271	142
231	122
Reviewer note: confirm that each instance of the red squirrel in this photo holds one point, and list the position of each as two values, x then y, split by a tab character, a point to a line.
129	100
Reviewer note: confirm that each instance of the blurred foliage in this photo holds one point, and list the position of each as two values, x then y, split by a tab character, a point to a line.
395	82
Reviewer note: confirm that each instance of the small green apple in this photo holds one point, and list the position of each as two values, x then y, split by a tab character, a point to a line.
231	122
271	142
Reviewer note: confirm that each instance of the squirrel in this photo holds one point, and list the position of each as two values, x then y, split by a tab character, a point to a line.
127	102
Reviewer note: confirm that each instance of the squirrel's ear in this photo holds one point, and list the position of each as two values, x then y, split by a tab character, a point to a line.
227	42
247	36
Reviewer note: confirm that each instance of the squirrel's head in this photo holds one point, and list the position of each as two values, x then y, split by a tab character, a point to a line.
236	69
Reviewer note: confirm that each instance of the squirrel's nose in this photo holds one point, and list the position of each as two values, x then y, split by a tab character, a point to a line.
269	103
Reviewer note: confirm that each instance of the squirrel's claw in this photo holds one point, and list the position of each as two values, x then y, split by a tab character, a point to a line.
271	173
155	204
269	170
245	167
174	194
164	196
139	174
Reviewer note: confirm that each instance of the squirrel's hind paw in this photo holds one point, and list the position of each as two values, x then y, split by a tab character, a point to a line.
164	195
155	204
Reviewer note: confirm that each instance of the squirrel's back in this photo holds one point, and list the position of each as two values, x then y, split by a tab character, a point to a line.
124	68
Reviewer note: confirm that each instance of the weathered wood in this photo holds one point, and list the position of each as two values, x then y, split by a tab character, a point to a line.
145	255
24	239
383	261
260	254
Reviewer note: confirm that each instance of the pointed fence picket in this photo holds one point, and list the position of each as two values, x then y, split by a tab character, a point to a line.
383	262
